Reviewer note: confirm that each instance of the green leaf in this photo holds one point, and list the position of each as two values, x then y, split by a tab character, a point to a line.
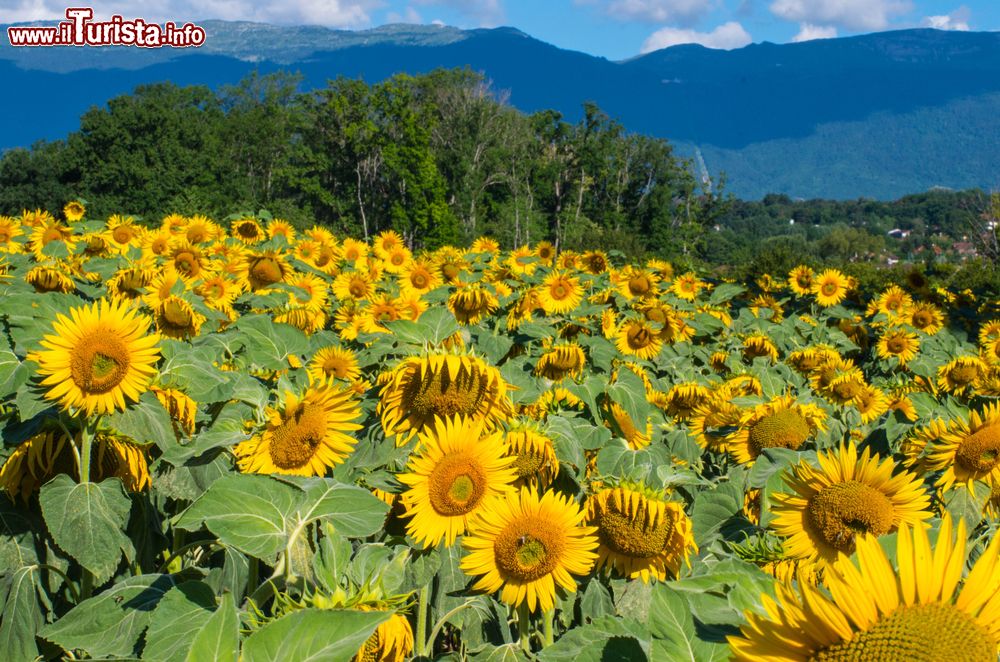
716	511
725	292
87	521
504	653
354	511
21	617
30	402
252	513
178	617
629	391
219	639
191	370
268	344
672	624
596	601
608	638
968	505
313	635
146	422
438	323
226	430
110	624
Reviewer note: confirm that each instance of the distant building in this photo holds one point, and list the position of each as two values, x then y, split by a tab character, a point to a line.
897	233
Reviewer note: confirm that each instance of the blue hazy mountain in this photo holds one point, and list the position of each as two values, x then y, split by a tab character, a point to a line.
877	115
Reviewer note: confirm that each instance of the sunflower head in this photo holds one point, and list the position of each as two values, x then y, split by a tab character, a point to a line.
441	384
561	361
459	470
642	534
535	460
97	357
525	546
304	436
780	423
470	303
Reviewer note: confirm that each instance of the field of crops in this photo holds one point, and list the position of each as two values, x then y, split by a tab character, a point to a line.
237	440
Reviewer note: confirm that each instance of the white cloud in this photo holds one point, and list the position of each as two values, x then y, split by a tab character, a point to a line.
332	13
956	20
487	13
653	11
726	36
851	14
808	32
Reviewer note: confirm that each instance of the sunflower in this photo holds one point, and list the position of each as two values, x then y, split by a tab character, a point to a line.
898	343
871	403
485	245
52	234
180	406
759	345
129	282
767	302
561	361
780	423
176	318
97	357
830	287
844	389
49	279
845	497
248	231
594	262
470	303
10	228
926	317
334	363
155	244
534	456
185	258
621	424
418	278
559	293
353	286
635	282
422	388
392	641
809	358
965	449
74	211
800	280
384	242
687	286
304	437
397	259
712	422
264	269
525	546
122	232
682	400
962	375
219	292
635	337
912	614
642	534
893	303
48	454
460	470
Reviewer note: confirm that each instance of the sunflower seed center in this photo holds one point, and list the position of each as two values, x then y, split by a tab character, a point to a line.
980	451
843	510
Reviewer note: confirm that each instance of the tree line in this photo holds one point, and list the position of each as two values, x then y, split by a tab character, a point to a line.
440	158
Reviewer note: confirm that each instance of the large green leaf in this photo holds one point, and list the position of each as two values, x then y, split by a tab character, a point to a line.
110	624
313	635
268	344
87	521
178	618
252	513
219	638
146	422
192	370
354	511
21	617
608	638
672	625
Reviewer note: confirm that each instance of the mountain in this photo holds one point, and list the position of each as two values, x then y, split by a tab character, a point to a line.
877	115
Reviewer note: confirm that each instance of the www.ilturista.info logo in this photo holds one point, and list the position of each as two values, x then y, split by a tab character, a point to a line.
80	30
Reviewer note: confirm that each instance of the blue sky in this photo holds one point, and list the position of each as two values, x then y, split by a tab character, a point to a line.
615	29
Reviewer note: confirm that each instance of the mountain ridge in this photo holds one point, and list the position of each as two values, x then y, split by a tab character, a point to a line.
782	118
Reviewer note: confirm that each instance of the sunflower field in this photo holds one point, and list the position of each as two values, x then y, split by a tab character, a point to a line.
240	440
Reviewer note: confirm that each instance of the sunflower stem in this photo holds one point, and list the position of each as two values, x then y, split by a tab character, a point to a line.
547	630
87	432
421	638
524	626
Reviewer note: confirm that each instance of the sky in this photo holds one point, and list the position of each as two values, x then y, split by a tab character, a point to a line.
615	29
